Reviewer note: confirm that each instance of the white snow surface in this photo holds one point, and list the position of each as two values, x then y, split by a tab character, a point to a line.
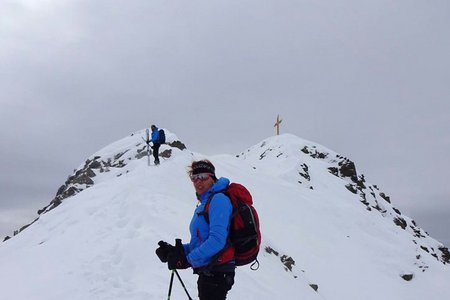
100	243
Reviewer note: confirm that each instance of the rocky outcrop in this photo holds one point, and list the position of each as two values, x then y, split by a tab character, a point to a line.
375	201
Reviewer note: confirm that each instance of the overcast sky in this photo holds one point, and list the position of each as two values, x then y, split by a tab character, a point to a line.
368	79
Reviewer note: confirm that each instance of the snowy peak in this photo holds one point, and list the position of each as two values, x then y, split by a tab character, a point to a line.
314	166
309	164
114	160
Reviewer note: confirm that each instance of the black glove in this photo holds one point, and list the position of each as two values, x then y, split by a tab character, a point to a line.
177	259
163	250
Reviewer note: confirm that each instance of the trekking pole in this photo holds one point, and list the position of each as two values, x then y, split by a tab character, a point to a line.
170	285
182	283
148	149
147	133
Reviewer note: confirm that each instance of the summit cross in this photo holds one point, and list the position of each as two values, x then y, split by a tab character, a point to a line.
277	124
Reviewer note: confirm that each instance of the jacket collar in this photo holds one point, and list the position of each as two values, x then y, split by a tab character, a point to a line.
220	185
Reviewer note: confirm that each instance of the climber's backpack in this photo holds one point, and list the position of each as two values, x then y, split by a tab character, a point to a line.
244	236
162	137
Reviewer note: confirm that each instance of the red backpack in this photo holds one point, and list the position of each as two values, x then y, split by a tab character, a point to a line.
244	239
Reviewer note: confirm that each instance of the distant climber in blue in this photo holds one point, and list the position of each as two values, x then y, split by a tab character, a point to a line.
156	143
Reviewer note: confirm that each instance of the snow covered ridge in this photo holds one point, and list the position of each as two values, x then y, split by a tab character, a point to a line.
113	160
327	233
310	165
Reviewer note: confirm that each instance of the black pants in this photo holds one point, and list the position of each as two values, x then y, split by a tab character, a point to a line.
214	285
155	148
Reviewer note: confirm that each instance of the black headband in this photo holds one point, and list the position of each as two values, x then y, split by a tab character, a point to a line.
203	168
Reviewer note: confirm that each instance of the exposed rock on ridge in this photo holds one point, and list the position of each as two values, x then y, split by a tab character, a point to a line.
115	162
343	168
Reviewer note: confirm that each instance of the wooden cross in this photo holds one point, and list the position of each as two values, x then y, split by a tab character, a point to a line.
277	124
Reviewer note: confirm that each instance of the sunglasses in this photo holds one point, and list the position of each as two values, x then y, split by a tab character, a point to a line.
201	176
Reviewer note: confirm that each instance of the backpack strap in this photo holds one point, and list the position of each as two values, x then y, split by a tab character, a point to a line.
205	213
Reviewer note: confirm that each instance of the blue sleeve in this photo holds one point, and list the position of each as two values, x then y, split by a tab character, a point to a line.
220	210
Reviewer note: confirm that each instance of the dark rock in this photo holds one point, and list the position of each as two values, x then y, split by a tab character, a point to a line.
119	164
264	154
425	249
360	182
382	195
377	208
61	190
288	262
400	222
177	144
166	153
54	203
348	169
95	165
314	286
24	227
270	250
334	171
417	231
83	179
119	155
90	173
306	173
318	154
141	153
445	254
396	210
351	188
322	155
408	277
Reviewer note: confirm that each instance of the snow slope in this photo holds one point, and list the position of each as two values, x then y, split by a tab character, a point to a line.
322	225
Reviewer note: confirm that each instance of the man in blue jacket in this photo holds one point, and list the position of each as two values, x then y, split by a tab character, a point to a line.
207	252
156	143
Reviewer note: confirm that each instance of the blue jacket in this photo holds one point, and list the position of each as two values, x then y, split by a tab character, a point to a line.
208	239
155	136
